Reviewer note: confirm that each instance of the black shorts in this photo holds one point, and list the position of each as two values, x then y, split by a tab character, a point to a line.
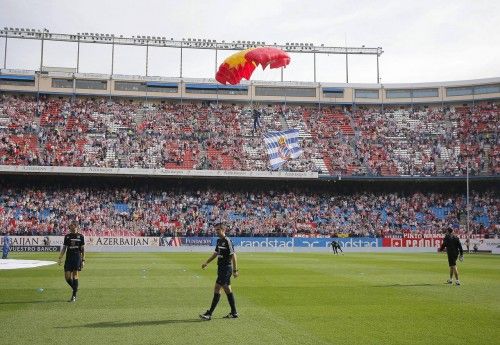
224	275
73	264
452	260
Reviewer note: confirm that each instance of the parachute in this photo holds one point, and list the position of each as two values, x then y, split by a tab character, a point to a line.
242	64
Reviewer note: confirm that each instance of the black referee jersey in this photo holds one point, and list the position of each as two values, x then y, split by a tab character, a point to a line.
225	250
452	245
74	244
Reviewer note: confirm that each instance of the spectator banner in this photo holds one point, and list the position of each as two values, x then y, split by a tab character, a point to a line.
157	172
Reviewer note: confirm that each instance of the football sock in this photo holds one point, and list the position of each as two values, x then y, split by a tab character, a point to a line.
215	300
230	298
70	282
75	286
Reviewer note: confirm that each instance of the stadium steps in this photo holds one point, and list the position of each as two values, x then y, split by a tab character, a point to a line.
346	129
487	160
296	122
253	153
138	117
363	168
320	163
445	156
70	123
110	151
328	163
4	121
439	165
284	123
463	220
152	156
304	134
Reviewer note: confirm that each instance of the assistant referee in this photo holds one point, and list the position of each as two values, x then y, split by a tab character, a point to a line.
73	246
226	266
454	251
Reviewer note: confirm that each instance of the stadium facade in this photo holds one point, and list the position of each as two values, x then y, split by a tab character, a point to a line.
60	81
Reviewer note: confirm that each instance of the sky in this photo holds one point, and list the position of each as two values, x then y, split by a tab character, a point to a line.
423	41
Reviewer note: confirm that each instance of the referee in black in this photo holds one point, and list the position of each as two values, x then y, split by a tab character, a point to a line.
73	246
336	247
454	251
226	266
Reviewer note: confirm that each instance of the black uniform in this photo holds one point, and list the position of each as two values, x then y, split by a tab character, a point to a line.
74	245
225	250
256	119
336	246
453	248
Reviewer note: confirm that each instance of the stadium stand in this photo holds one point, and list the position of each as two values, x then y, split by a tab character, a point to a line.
287	211
367	141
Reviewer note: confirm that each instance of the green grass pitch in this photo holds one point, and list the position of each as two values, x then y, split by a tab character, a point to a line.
283	298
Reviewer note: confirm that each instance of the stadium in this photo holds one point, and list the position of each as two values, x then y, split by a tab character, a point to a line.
148	167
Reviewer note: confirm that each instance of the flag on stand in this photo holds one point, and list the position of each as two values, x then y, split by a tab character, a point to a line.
282	146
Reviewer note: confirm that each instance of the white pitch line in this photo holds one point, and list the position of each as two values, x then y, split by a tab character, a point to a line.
12	264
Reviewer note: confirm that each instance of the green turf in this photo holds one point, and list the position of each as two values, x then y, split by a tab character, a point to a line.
282	298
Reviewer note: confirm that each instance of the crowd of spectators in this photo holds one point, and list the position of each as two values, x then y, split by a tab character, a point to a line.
185	211
100	132
431	141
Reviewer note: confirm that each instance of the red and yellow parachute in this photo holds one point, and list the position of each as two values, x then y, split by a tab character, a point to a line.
243	63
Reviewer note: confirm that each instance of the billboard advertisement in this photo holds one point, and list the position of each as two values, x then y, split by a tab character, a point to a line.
345	242
405	242
274	242
54	243
103	241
